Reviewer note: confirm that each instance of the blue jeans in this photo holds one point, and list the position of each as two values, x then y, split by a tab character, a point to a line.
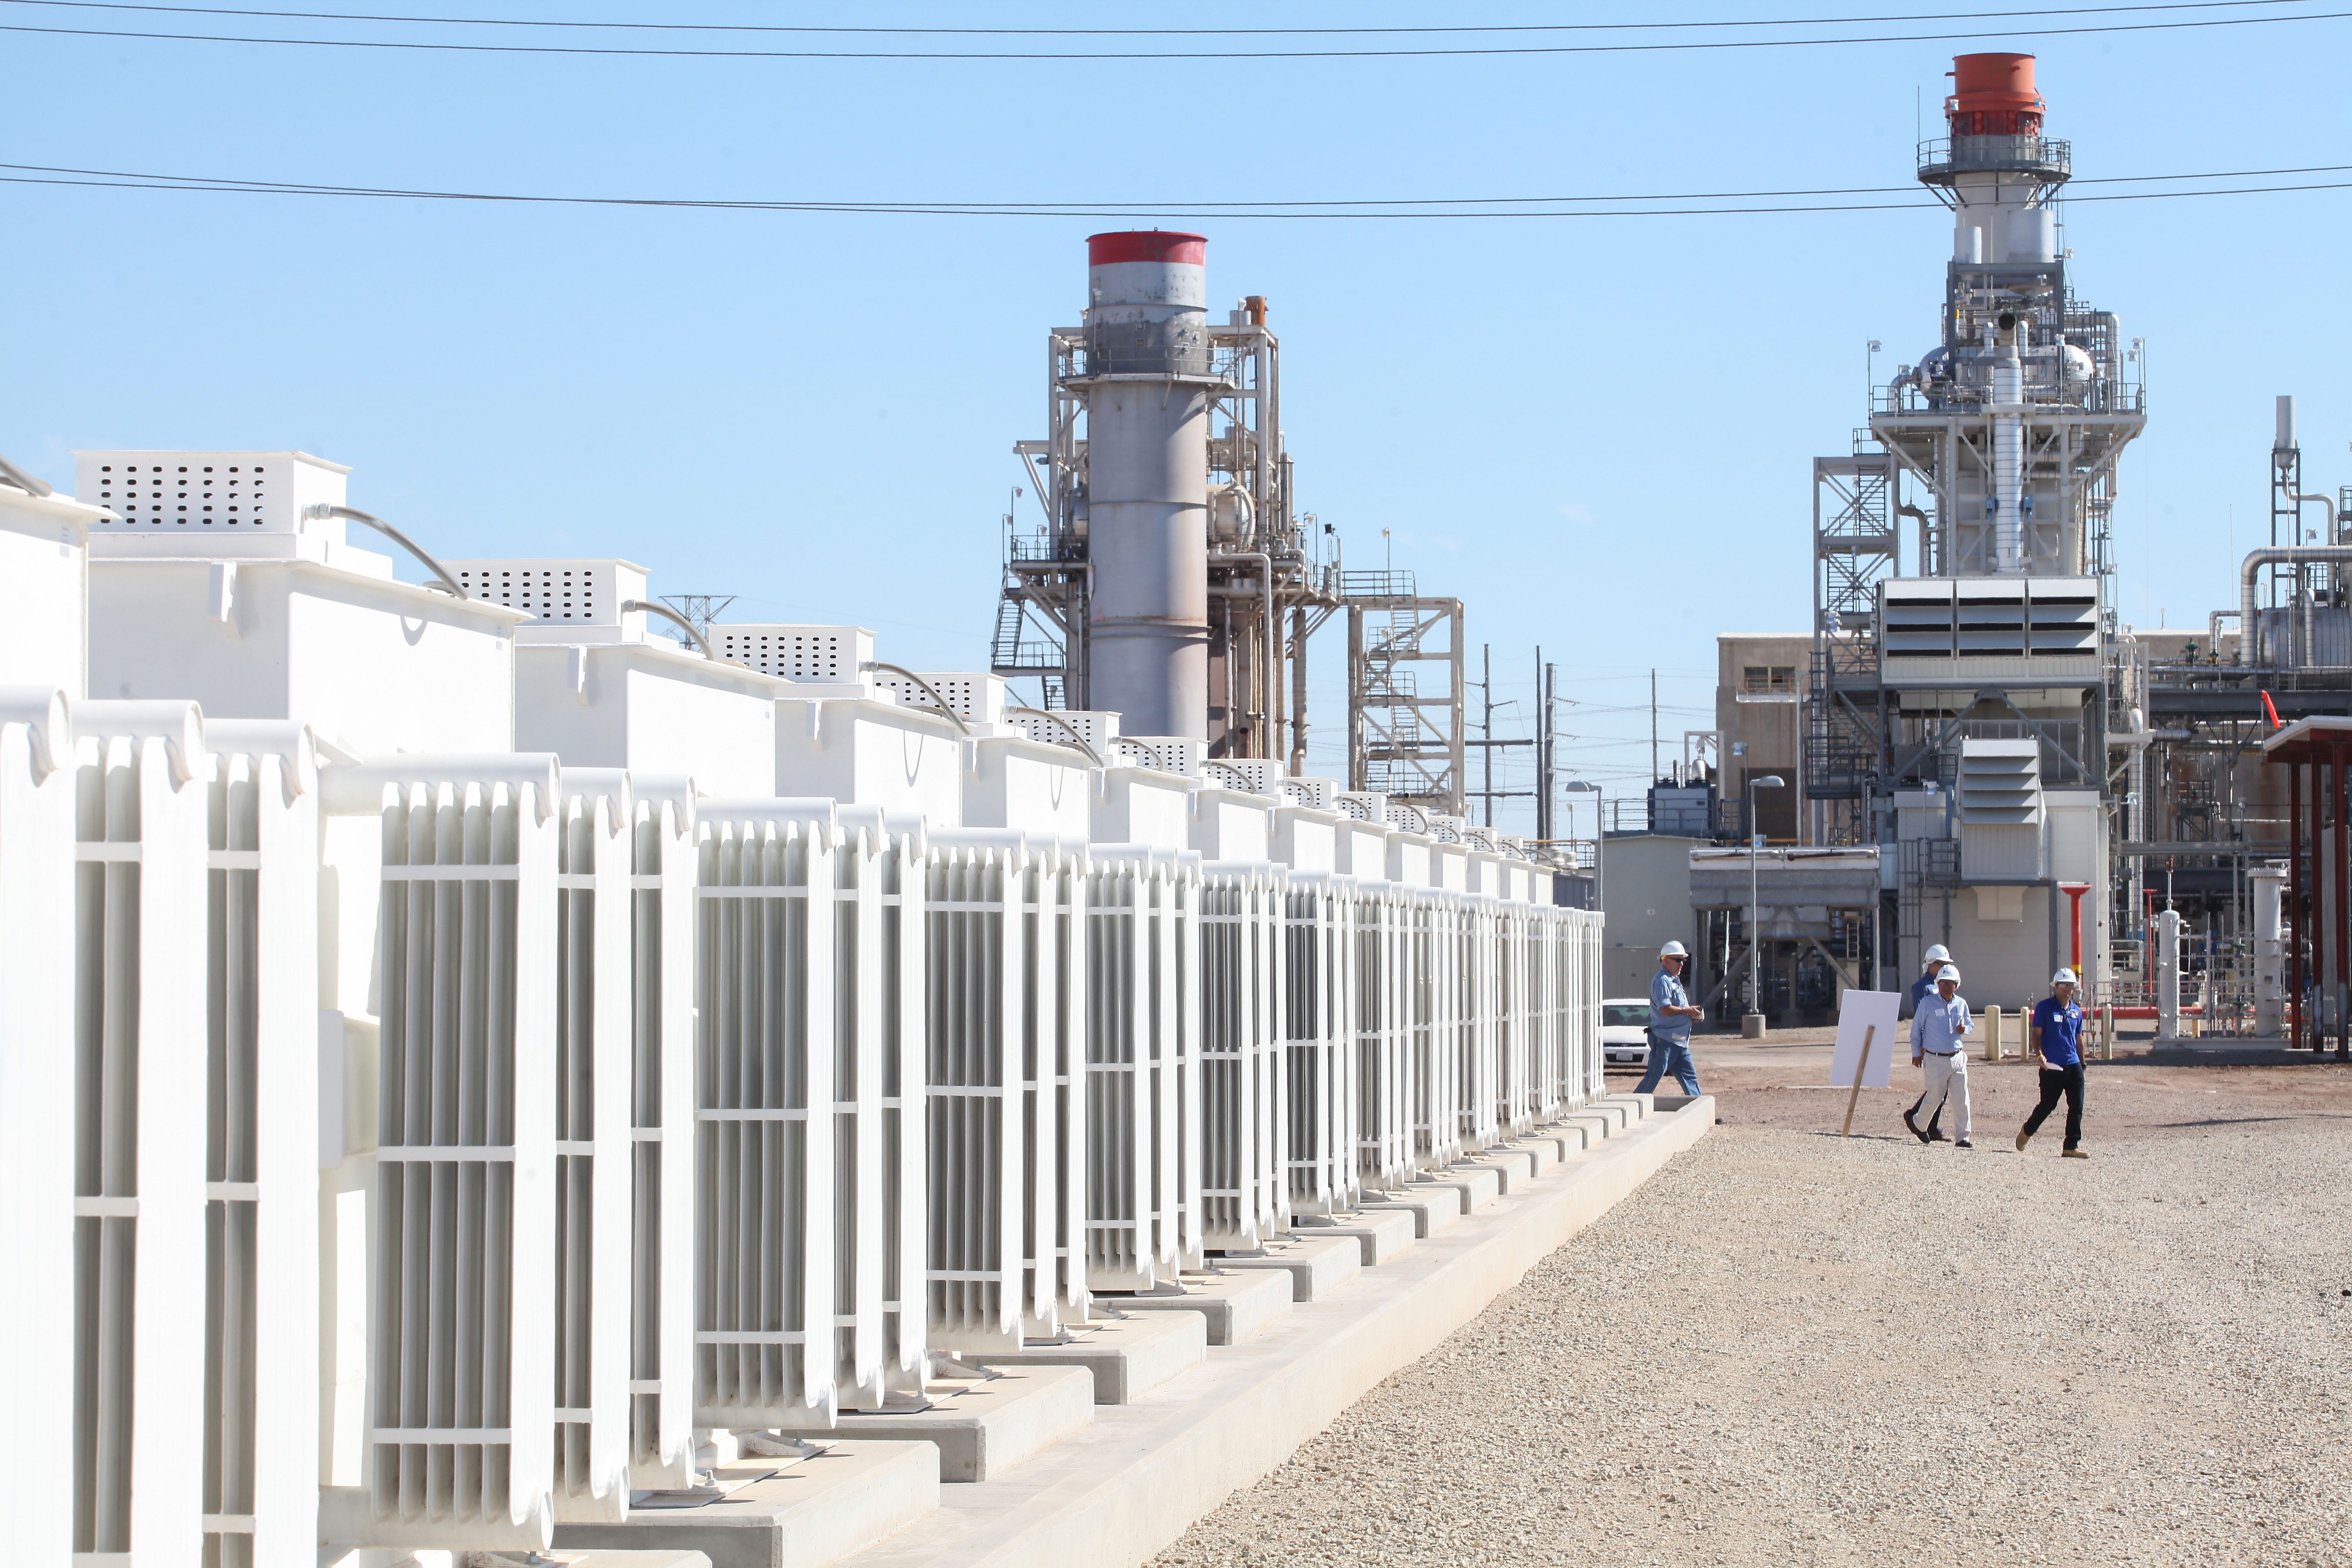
1670	1055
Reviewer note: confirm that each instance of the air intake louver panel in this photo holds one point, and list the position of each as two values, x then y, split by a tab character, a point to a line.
593	1052
261	1428
1245	1076
140	1054
1319	1006
460	1448
1144	1082
1384	990
661	1131
1006	1134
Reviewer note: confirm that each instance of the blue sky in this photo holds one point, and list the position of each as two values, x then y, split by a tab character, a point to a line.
1598	432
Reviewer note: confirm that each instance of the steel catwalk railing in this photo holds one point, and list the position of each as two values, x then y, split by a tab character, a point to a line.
1005	1127
1245	1126
40	958
1143	1080
1320	1004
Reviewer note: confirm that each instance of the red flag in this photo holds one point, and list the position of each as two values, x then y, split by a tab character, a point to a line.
2269	708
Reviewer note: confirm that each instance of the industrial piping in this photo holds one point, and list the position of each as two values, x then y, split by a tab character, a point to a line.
2277	555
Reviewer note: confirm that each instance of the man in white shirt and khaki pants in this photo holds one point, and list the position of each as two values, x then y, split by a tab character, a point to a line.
1939	1046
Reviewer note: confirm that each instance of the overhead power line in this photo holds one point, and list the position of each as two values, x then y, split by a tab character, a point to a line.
1419	52
1519	29
1423	208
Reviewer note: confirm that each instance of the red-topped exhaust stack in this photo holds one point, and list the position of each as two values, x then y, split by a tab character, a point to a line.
1993	95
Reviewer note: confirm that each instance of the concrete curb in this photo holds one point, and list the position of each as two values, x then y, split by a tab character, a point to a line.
1147	1470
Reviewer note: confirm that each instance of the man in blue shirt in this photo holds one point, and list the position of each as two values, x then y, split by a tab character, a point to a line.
2056	1032
1939	1046
1934	959
1670	1025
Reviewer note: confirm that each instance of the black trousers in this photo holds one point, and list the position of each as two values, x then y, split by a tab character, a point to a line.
2055	1081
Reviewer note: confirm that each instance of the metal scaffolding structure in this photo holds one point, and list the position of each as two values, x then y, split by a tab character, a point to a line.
1403	742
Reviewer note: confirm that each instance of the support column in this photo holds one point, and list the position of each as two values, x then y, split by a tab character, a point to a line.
2296	926
2343	908
2317	893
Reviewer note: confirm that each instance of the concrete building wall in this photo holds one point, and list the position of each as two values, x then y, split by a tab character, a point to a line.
1645	903
1760	684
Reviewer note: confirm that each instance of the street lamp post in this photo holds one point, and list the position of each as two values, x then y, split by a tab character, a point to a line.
1752	1027
1600	877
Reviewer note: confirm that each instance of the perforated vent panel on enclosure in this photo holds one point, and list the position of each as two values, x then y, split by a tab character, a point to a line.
795	653
560	593
979	697
157	491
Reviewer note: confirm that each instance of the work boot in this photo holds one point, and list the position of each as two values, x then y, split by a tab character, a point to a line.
1912	1123
1963	1144
2023	1137
2076	1154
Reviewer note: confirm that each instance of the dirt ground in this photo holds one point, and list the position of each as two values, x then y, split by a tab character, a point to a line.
1794	1348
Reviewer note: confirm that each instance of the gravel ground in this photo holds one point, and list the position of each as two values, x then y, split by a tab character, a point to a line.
1791	1348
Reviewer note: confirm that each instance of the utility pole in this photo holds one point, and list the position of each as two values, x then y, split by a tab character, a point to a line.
1543	752
1486	727
1653	726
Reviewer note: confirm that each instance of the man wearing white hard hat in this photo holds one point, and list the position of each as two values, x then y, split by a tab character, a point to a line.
2056	1032
1935	958
1939	1047
1670	1024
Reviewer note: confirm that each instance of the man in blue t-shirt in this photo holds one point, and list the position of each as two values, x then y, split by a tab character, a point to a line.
2056	1031
1670	1025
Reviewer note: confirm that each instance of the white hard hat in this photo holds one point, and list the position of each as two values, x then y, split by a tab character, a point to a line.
2063	977
1938	953
1673	949
1950	971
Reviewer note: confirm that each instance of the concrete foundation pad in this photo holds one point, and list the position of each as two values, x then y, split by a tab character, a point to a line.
1237	1306
1431	1212
1128	1356
1545	1149
808	1513
1478	1184
1159	1465
1602	1120
1317	1264
1637	1105
985	1425
1515	1168
616	1558
1381	1234
1571	1138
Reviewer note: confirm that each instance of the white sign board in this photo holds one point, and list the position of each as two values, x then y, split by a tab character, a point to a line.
1867	1013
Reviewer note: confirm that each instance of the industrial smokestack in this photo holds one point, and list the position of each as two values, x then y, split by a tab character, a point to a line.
2285	441
1148	479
